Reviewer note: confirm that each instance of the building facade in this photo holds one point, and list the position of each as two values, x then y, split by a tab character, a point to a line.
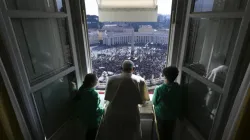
93	37
115	38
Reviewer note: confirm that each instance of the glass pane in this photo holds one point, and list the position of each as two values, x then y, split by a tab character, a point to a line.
210	46
219	5
202	103
39	5
54	103
44	46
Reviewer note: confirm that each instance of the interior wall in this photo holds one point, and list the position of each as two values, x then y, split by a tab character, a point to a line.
9	127
244	126
2	133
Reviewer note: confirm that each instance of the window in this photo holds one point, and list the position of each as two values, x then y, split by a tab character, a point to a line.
44	45
43	55
54	103
39	5
213	38
202	103
219	5
210	45
145	43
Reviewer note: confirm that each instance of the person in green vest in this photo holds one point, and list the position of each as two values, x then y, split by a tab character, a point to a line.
89	110
167	101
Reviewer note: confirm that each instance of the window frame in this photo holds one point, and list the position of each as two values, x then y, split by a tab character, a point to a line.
239	107
245	20
16	107
26	89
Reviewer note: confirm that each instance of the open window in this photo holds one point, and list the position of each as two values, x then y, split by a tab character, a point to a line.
123	30
39	40
212	42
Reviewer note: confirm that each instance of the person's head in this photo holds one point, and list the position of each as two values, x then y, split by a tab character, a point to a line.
90	80
170	74
128	66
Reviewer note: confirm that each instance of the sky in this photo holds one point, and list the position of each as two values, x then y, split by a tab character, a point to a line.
164	7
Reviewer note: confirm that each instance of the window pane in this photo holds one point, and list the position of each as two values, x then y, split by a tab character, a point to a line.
44	46
219	5
202	103
54	103
39	5
210	46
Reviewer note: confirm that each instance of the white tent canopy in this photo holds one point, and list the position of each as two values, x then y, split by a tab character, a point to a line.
127	10
127	4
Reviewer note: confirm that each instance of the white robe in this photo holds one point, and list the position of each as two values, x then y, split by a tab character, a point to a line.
122	119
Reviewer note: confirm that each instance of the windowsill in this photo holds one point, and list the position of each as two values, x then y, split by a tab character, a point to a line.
102	98
103	91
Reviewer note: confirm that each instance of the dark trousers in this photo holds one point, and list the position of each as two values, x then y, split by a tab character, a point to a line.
166	129
91	133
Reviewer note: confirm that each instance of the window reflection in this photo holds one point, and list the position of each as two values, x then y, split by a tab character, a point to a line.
210	47
219	5
44	46
54	102
39	5
202	103
59	5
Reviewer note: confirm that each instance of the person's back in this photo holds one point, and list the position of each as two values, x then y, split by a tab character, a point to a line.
88	109
124	93
138	85
88	101
168	103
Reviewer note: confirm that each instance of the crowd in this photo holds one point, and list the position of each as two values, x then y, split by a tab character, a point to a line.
149	61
